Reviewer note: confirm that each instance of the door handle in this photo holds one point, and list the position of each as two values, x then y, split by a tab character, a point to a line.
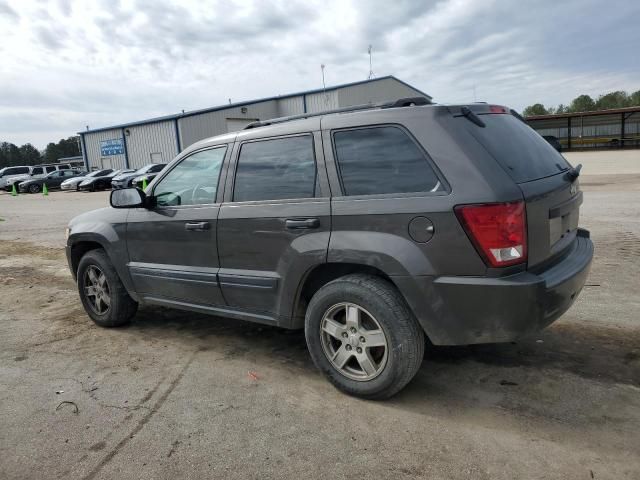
197	226
300	223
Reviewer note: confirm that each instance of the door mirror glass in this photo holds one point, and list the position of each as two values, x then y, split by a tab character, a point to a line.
128	198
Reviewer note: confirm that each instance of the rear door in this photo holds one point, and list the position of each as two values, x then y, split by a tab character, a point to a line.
275	222
172	247
552	197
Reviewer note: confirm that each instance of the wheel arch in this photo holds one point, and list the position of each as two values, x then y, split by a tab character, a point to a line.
322	274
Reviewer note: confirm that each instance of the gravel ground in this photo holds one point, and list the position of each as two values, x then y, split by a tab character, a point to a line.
170	396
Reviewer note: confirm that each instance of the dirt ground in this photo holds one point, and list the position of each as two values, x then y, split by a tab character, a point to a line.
170	396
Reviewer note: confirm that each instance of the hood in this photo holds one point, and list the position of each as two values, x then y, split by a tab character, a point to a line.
73	180
124	176
93	220
88	180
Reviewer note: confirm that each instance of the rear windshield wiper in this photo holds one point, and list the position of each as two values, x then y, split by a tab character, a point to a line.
472	117
573	173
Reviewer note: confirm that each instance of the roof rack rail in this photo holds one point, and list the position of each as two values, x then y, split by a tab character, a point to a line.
401	102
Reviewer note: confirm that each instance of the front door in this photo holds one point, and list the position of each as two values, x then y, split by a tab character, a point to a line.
173	255
274	225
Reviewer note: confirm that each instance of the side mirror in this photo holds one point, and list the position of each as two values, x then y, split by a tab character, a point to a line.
128	198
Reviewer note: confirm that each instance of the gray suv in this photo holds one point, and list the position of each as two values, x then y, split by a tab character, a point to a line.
371	228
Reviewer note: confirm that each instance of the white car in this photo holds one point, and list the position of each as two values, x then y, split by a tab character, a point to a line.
7	175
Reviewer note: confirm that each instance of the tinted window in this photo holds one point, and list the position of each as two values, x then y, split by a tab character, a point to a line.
522	152
382	160
276	169
156	168
50	169
194	181
16	170
37	171
63	167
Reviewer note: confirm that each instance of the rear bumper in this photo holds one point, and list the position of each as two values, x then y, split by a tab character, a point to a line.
468	310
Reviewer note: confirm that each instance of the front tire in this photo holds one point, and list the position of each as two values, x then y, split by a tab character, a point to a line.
35	188
103	295
363	337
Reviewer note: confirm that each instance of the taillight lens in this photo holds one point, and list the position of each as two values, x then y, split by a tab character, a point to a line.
498	231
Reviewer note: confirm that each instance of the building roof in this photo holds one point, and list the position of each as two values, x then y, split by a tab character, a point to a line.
250	102
611	111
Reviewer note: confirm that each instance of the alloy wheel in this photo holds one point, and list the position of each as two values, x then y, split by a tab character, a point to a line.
96	290
353	341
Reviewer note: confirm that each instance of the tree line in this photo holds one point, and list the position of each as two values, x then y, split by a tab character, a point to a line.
584	103
27	154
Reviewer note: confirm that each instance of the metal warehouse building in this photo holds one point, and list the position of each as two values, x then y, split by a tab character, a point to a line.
616	128
158	140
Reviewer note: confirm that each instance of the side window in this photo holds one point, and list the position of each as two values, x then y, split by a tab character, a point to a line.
382	160
23	170
50	169
63	167
276	169
37	171
194	181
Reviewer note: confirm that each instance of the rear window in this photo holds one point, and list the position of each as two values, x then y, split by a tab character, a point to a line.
382	160
522	152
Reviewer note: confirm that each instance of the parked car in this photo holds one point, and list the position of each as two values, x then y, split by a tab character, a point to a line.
102	182
33	172
53	180
8	174
370	229
124	180
139	181
74	183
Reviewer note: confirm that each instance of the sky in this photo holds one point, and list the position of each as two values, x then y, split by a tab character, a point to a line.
67	64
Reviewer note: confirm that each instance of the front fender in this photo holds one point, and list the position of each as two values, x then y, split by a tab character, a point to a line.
106	227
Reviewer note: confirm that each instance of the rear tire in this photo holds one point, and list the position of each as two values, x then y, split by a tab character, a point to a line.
35	188
103	295
374	336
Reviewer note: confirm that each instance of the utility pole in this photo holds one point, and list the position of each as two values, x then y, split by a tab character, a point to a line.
371	75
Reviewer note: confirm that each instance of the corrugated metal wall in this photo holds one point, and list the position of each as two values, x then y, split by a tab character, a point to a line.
143	140
290	106
92	141
317	102
205	125
384	90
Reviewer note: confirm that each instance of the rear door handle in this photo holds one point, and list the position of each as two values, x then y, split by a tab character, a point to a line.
300	223
197	226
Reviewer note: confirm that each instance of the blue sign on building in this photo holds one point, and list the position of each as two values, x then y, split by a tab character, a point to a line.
112	147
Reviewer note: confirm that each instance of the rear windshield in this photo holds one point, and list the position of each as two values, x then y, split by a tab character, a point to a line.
524	154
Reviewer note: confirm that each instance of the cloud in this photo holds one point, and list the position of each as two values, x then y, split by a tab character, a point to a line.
8	12
70	63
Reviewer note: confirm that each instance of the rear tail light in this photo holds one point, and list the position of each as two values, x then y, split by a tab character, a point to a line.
498	231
